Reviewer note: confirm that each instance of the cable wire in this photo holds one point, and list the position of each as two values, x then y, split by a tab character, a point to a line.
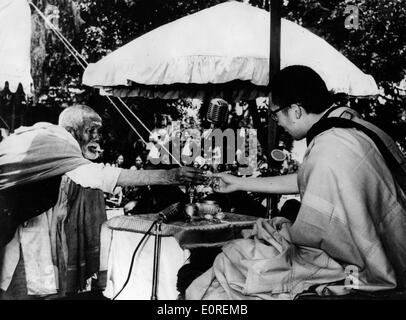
133	258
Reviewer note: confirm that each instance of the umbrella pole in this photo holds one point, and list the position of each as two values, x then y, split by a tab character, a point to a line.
275	8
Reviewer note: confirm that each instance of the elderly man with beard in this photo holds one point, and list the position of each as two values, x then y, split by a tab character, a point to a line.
52	204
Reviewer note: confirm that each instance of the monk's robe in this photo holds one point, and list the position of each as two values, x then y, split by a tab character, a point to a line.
350	232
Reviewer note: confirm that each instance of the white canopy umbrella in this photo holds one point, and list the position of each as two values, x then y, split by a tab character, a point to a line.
222	48
15	44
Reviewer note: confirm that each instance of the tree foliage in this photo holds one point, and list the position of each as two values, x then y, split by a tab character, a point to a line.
377	47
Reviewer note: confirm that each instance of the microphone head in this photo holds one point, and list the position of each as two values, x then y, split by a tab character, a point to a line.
218	111
277	158
171	213
278	155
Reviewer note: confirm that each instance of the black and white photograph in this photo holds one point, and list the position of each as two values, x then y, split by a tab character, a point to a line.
205	155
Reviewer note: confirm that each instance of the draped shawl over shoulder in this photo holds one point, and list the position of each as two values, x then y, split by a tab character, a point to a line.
32	161
36	153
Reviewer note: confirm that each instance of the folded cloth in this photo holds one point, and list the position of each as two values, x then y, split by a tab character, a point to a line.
86	214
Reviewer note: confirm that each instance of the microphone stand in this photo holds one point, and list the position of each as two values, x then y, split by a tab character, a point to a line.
157	252
162	217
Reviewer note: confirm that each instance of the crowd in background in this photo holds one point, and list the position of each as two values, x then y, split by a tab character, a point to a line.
145	156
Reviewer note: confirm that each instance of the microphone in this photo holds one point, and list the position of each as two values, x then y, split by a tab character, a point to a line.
277	157
218	111
171	213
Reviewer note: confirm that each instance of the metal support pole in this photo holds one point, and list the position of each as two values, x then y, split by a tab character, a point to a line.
157	252
275	8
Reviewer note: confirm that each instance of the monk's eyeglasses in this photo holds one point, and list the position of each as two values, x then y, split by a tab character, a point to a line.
273	114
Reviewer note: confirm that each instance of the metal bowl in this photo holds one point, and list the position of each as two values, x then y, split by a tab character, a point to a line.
208	207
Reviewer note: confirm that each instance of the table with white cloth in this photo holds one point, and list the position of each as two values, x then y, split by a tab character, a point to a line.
120	236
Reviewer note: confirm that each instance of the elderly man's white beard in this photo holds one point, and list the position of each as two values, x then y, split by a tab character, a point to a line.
92	151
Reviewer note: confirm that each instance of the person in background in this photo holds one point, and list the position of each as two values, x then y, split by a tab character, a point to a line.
138	165
133	194
115	199
119	162
47	175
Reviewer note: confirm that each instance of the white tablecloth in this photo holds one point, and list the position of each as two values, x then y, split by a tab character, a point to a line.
117	249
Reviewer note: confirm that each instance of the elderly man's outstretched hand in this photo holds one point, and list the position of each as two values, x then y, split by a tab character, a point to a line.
184	175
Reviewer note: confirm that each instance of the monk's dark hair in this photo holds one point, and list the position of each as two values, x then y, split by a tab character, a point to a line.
301	84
